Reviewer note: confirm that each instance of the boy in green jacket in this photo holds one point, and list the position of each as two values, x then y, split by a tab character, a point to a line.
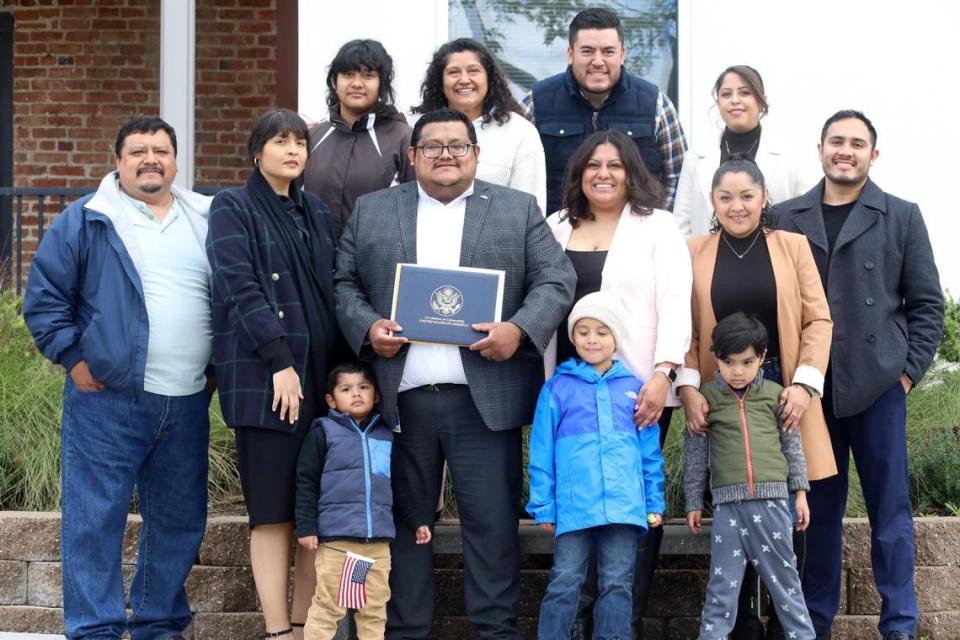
754	465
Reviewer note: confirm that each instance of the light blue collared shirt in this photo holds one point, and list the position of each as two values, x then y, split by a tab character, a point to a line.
176	286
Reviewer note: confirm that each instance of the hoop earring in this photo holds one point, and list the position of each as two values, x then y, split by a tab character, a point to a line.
256	162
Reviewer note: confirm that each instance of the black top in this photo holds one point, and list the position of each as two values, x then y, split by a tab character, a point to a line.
746	284
834	216
589	268
298	215
745	143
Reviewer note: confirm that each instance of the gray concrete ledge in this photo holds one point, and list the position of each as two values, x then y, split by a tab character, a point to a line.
223	597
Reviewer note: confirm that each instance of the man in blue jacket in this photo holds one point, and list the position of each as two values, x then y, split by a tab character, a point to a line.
877	268
119	295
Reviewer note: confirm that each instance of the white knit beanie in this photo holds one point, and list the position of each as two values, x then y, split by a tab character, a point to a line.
603	306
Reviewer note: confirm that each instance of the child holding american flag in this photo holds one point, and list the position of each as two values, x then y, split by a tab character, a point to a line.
344	507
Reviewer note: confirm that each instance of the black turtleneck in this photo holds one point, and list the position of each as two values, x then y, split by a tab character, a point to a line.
744	143
746	284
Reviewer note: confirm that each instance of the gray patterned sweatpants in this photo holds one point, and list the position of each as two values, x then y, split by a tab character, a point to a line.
760	532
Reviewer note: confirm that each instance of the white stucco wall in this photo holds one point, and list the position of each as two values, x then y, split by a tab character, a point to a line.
896	61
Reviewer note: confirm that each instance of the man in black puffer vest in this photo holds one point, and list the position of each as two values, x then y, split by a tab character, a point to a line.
596	93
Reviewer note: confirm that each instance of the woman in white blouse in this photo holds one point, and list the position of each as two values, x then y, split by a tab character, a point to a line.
742	103
464	76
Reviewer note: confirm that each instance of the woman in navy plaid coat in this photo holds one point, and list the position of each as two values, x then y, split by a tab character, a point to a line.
275	337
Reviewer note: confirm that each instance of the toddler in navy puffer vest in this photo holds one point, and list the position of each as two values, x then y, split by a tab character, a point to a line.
344	502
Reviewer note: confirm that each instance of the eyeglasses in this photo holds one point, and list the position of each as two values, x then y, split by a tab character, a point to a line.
457	149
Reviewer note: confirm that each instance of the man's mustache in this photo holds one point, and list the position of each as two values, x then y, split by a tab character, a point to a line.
150	168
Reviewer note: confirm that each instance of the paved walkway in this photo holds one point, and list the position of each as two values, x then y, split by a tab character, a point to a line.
8	635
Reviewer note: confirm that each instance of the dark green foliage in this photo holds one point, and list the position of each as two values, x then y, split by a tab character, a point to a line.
933	435
30	407
935	470
950	341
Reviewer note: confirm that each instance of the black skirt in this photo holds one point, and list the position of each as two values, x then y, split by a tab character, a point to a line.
267	462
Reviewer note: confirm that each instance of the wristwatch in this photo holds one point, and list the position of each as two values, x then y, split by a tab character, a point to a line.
670	372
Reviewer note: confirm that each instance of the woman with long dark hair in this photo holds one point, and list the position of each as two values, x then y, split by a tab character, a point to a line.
362	146
275	336
742	103
620	242
463	75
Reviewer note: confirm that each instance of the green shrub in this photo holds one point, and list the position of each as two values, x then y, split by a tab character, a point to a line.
933	440
31	405
30	402
935	470
950	341
30	408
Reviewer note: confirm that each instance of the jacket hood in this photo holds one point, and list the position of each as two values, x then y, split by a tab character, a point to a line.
583	370
108	202
107	199
382	113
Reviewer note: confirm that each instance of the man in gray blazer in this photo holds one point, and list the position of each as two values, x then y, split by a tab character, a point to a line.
881	281
464	406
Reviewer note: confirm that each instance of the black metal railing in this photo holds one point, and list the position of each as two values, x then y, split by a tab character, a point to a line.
46	202
17	203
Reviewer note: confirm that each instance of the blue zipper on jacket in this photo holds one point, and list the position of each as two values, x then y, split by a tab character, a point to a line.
366	470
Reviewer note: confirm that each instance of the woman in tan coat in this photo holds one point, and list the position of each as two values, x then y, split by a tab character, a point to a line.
745	265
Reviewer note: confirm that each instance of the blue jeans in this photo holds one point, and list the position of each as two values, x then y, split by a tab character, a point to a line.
616	556
110	443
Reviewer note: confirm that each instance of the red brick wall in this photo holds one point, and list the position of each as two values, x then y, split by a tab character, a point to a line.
81	68
236	81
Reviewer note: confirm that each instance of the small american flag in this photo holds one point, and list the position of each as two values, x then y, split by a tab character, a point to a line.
353	581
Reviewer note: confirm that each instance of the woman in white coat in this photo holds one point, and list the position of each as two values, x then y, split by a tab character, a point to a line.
619	242
742	103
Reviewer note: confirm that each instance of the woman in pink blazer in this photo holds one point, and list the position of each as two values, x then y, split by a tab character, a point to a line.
620	242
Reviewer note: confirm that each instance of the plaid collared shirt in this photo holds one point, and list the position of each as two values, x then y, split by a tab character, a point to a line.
669	136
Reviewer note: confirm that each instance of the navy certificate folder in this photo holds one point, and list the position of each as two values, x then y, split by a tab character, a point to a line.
439	305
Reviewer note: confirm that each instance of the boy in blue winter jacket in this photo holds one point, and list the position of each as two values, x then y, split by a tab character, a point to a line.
344	502
595	479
